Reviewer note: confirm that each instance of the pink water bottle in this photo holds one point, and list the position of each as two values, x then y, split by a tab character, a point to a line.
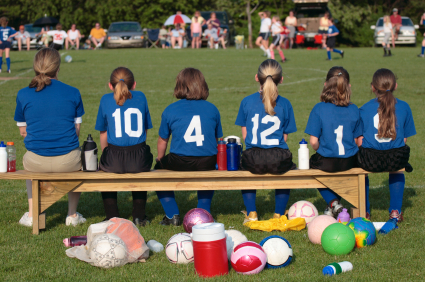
343	216
75	241
209	249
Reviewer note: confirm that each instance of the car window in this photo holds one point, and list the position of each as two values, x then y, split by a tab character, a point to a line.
380	22
30	28
406	22
120	27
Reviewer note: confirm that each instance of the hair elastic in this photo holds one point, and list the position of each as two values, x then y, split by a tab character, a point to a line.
122	79
339	73
269	76
388	90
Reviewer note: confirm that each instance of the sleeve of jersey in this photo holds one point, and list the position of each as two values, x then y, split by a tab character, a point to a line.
148	121
409	125
358	129
164	129
101	121
218	129
290	125
19	113
241	118
79	109
314	126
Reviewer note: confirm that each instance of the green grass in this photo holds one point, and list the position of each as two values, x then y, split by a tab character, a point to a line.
230	76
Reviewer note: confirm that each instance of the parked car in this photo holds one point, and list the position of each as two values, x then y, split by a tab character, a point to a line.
124	34
407	33
226	22
308	13
34	43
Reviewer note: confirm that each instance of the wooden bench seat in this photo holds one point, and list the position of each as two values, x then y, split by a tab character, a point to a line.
48	188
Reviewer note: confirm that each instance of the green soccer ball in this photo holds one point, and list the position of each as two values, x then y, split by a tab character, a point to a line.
338	239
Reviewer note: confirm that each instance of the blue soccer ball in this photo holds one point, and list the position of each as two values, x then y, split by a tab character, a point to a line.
278	251
68	59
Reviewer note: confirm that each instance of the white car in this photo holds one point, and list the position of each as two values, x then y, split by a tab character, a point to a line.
407	33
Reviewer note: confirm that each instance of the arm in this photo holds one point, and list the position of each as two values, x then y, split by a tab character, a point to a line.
359	140
243	132
314	142
296	22
23	131
103	139
285	137
77	128
161	147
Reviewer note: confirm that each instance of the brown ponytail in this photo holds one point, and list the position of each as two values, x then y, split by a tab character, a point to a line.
269	75
46	66
337	88
384	82
122	80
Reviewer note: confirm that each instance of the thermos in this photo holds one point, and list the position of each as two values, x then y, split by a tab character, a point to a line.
11	157
3	157
222	155
209	249
75	241
238	141
89	155
233	155
303	156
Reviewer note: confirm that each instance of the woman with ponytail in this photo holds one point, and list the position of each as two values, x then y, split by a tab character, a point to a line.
266	120
123	120
387	122
48	114
333	126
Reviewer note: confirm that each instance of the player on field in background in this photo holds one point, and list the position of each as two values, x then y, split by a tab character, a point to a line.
277	29
422	22
331	40
263	39
5	42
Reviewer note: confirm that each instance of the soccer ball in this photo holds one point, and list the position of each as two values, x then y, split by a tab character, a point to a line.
278	251
303	209
194	217
179	248
233	238
108	250
68	59
317	226
364	231
338	239
248	258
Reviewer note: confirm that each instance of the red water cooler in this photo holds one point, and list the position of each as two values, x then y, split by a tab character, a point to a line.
209	249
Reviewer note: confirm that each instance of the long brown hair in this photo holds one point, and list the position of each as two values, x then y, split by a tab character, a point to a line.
4	21
384	82
191	85
46	66
122	80
269	75
337	88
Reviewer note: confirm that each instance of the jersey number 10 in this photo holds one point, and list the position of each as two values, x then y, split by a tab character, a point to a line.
127	122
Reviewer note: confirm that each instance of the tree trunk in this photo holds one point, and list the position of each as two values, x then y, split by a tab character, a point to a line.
248	14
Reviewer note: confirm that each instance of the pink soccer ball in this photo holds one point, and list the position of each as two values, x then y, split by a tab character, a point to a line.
303	209
317	226
194	217
248	258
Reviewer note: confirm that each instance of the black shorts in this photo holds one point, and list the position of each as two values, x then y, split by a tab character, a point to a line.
265	35
129	159
5	45
56	46
330	42
384	160
322	31
317	161
184	163
276	40
262	161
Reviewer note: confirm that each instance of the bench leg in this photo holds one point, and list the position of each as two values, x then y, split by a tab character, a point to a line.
35	207
362	195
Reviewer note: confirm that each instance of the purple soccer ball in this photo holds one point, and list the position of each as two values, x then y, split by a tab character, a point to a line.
194	217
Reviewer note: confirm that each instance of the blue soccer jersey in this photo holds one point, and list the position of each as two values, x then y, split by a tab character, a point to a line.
263	130
5	32
126	125
405	127
336	127
194	126
332	29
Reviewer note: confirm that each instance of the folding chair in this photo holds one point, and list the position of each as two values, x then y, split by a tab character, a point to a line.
153	37
299	40
318	39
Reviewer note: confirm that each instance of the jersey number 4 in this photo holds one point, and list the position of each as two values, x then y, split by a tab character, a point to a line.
195	125
127	122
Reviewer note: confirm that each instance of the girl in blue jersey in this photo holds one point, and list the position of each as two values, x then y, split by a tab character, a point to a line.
387	123
195	126
5	41
123	121
333	126
266	120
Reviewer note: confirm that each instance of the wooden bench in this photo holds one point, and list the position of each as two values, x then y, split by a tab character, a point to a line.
48	188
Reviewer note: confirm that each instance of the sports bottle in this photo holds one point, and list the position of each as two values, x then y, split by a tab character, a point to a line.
233	155
337	268
303	156
89	155
222	155
11	157
75	241
3	157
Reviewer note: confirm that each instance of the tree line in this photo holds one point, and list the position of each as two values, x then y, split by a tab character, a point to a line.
354	16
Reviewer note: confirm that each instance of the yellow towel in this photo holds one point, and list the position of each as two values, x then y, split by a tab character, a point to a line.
280	224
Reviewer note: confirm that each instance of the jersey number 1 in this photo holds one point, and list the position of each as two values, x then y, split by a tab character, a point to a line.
195	125
127	122
338	132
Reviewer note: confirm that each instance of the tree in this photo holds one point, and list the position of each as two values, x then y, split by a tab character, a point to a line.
249	12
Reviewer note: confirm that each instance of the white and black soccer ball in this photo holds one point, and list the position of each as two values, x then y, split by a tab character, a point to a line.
68	59
233	238
108	250
179	248
278	250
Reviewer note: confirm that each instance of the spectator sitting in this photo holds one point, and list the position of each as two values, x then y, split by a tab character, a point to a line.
163	34
87	45
98	35
73	38
201	20
45	38
177	35
396	22
58	35
211	33
23	37
196	30
214	21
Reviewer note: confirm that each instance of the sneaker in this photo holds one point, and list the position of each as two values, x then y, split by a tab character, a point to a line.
334	208
251	217
0	69
74	221
342	54
141	223
284	60
26	220
395	214
99	45
276	215
9	71
420	56
175	220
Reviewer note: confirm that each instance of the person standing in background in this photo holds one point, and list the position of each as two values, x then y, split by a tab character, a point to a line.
422	22
263	39
291	23
388	33
196	30
201	20
5	33
396	22
323	28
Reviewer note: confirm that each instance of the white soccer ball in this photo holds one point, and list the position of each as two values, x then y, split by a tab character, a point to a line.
303	209
278	250
108	250
233	238
68	59
179	248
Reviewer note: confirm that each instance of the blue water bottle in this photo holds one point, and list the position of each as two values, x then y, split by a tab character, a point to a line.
233	154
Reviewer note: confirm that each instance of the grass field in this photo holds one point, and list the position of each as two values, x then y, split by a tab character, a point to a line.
398	256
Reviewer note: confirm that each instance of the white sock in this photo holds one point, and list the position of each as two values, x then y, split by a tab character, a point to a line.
269	55
262	48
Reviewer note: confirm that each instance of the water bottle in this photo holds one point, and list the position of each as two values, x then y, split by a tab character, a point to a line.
221	155
343	216
3	157
75	241
232	155
11	157
155	246
238	141
89	155
303	156
337	268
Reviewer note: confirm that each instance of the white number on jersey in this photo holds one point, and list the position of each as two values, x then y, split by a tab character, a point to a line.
5	35
195	125
127	122
338	132
376	124
267	132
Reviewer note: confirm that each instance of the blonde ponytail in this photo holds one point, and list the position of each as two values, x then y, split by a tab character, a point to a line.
46	66
270	94
269	75
122	80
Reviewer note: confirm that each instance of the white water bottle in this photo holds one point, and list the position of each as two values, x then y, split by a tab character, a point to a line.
303	156
155	246
3	157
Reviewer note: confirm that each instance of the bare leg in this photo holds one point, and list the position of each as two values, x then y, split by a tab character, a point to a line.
94	42
29	194
101	40
222	42
324	41
173	41
77	43
258	41
291	43
28	44
180	41
19	44
193	43
66	43
211	43
73	198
